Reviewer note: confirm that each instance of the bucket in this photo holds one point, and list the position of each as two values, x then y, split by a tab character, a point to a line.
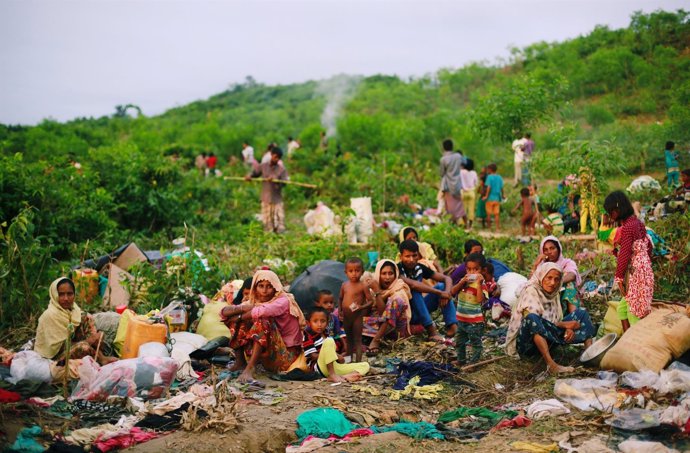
86	283
140	332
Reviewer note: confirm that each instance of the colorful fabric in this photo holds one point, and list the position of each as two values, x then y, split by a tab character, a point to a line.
53	325
462	412
468	305
519	421
276	356
135	436
328	355
428	372
640	289
9	397
533	324
631	230
454	206
555	220
480	210
283	307
417	430
495	184
469	334
323	422
312	342
335	327
397	311
624	312
534	300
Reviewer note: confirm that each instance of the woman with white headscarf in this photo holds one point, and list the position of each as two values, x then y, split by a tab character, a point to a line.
537	321
267	329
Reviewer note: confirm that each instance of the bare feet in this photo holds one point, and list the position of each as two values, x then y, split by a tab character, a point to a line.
245	377
336	378
558	369
437	338
353	377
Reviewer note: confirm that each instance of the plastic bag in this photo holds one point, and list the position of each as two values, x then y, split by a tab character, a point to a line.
31	366
676	378
509	283
320	221
639	379
588	394
634	419
146	377
184	343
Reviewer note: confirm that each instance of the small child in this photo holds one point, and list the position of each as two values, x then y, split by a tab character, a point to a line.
319	350
324	299
493	196
480	210
355	298
684	190
553	222
528	212
470	291
672	165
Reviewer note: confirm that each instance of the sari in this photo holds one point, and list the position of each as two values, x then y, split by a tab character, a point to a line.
397	311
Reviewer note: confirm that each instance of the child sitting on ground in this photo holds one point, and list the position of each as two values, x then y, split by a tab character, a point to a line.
553	222
470	291
355	298
319	350
529	211
493	196
324	299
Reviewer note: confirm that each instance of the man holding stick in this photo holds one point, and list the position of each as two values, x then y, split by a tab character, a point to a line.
272	210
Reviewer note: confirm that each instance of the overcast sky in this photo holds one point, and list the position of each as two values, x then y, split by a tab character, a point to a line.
65	59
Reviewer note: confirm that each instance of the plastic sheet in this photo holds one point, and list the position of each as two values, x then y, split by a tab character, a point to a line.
31	366
639	379
588	394
146	377
634	419
676	378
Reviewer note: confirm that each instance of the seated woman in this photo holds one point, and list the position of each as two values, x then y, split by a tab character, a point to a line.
62	320
537	321
474	246
266	329
392	312
427	256
551	251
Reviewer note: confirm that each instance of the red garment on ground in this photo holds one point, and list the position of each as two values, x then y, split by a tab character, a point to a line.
136	436
9	397
519	421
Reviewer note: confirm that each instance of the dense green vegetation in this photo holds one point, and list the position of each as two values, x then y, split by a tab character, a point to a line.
612	97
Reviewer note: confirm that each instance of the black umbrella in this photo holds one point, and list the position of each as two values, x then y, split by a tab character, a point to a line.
326	274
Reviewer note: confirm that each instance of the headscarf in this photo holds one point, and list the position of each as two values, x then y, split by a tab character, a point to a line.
273	279
53	325
566	264
397	289
427	256
533	299
228	291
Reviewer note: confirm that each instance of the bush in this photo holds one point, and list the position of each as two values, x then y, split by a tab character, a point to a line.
597	115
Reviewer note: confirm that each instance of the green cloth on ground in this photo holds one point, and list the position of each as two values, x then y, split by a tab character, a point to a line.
419	430
323	422
462	412
26	443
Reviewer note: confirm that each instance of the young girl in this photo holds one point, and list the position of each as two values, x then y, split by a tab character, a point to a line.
469	190
480	211
633	250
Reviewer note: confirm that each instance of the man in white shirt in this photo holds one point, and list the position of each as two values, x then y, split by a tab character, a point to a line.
247	154
292	146
518	148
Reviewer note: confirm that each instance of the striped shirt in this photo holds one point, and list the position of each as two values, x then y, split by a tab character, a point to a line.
556	221
469	307
312	342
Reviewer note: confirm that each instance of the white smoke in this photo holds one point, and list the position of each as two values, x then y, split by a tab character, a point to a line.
337	90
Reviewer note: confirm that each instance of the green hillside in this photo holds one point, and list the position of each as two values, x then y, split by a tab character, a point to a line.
609	99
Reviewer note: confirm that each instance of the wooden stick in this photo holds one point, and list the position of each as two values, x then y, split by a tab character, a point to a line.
483	362
278	181
98	346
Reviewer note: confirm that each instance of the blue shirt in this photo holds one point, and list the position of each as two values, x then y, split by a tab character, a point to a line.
671	159
496	187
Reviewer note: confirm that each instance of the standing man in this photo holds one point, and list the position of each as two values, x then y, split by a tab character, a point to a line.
518	158
451	183
272	210
527	150
248	154
292	146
